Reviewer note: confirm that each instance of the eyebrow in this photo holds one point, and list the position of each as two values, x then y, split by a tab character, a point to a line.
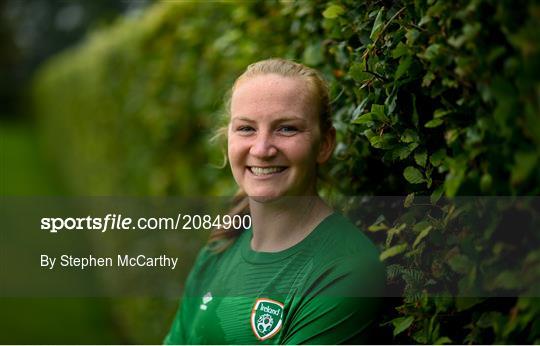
281	119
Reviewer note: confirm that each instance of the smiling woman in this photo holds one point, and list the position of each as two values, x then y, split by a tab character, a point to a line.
302	273
274	138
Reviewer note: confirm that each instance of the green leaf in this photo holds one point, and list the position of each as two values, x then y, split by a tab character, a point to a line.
443	340
357	72
464	303
411	148
424	20
443	302
524	163
439	113
364	119
382	142
404	151
377	227
450	82
432	51
420	158
409	136
433	123
378	112
413	175
313	55
378	224
403	67
460	264
409	200
420	226
393	251
333	11
507	280
451	135
400	50
485	182
412	35
391	103
424	233
428	78
420	336
368	133
437	8
401	324
378	25
396	230
437	157
359	109
436	195
457	41
489	319
455	177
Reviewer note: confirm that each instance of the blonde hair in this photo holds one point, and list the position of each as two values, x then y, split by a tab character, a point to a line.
317	88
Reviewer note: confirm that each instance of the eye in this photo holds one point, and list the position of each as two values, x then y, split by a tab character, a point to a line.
288	130
244	129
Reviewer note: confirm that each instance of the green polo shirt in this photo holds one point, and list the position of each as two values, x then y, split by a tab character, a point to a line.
322	290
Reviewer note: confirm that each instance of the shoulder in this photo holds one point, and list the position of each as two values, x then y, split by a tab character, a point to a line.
203	268
346	261
341	239
215	251
342	293
341	296
213	258
203	257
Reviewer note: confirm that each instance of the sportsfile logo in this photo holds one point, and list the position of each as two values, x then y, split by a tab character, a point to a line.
266	318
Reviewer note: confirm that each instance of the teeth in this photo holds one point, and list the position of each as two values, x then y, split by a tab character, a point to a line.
265	170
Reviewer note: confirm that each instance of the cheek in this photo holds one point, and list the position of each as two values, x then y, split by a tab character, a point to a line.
234	152
231	153
303	151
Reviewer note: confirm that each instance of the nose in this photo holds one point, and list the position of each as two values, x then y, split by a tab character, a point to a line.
263	146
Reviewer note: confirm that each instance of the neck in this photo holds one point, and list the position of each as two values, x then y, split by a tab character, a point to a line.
281	224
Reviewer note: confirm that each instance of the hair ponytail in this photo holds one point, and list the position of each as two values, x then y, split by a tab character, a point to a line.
221	238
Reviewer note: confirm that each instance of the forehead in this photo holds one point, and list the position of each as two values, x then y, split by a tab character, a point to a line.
271	94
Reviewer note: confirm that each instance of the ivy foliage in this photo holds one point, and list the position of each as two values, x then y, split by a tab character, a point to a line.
432	100
441	97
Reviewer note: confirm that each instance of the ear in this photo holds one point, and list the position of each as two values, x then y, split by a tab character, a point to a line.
328	143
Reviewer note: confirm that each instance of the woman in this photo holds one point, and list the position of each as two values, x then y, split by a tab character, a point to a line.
302	273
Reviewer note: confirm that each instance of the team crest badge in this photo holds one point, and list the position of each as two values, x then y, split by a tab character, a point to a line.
266	318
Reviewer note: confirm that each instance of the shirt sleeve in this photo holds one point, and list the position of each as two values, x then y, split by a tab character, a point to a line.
176	335
340	304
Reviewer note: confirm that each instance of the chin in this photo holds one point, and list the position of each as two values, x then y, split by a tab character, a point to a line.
264	199
264	196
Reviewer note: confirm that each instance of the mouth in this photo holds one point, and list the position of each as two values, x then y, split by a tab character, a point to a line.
266	171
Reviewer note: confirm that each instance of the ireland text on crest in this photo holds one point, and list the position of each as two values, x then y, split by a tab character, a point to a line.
266	318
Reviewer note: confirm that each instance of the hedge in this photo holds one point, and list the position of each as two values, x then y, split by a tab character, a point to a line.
431	100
